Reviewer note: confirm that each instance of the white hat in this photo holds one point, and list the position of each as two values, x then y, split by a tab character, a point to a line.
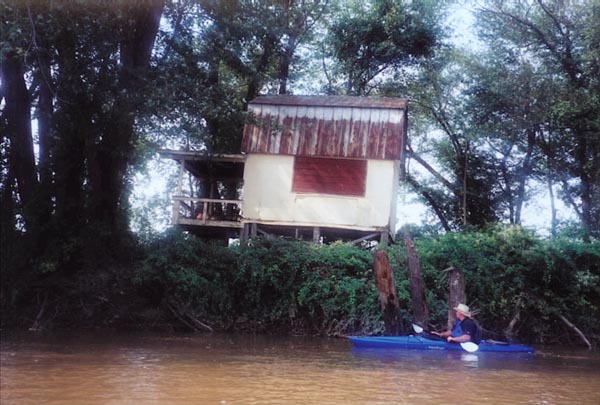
463	309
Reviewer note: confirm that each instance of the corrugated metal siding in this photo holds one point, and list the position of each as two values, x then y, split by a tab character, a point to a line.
348	127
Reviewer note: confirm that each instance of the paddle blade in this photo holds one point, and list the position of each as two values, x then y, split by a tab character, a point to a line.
417	328
469	347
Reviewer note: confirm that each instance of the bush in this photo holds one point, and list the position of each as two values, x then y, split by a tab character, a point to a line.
509	271
188	278
263	285
282	286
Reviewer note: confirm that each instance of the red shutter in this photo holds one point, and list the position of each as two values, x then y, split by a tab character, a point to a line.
329	176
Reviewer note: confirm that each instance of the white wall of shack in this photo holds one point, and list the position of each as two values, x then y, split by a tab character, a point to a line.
268	196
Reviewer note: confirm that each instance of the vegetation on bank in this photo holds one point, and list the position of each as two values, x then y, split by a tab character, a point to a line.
522	287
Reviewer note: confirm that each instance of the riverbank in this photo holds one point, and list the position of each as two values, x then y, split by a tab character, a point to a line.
522	288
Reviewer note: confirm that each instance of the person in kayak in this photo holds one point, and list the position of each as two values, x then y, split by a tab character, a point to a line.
465	329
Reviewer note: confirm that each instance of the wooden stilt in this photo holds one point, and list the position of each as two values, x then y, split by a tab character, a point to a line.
244	232
383	240
316	234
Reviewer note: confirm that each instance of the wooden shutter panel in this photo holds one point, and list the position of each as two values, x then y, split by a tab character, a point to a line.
329	176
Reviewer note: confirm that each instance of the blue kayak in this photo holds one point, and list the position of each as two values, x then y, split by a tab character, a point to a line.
422	343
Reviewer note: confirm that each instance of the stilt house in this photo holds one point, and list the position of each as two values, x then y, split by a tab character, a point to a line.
312	167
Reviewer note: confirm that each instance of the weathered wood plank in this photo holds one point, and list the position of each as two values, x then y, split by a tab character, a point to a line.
417	286
388	296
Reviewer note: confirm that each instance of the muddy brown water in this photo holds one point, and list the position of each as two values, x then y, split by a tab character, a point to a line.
116	368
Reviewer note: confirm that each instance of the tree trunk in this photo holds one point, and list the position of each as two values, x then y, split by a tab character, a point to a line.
284	66
583	166
456	293
72	124
388	297
525	173
417	287
17	117
114	152
45	133
507	192
432	202
554	221
465	189
255	81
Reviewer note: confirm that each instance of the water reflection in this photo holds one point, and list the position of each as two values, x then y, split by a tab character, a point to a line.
470	360
225	369
444	359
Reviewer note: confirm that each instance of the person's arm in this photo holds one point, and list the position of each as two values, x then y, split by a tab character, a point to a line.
442	334
460	339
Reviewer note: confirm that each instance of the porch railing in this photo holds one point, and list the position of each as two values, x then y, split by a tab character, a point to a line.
207	211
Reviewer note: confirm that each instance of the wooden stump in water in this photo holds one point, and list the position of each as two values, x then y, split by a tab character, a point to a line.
388	297
456	293
417	287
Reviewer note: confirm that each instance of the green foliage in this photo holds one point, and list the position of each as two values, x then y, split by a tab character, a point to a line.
187	273
293	287
553	91
308	288
508	270
281	286
369	38
267	284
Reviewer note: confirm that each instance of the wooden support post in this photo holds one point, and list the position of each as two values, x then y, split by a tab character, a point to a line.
253	229
388	296
204	211
383	240
316	234
175	213
417	286
180	179
456	293
244	232
177	203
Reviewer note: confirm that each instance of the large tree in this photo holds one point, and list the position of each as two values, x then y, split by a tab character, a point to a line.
507	101
459	181
519	113
562	39
374	39
81	70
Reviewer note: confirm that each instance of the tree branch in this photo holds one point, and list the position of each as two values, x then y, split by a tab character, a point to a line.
576	329
431	201
434	172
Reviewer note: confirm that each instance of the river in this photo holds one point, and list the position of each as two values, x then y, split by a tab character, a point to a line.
142	368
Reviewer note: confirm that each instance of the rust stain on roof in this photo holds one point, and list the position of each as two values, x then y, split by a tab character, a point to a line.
328	126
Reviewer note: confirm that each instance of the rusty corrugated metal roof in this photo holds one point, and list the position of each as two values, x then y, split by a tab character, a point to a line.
326	126
332	101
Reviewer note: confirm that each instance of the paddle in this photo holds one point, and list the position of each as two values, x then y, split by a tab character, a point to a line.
467	346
